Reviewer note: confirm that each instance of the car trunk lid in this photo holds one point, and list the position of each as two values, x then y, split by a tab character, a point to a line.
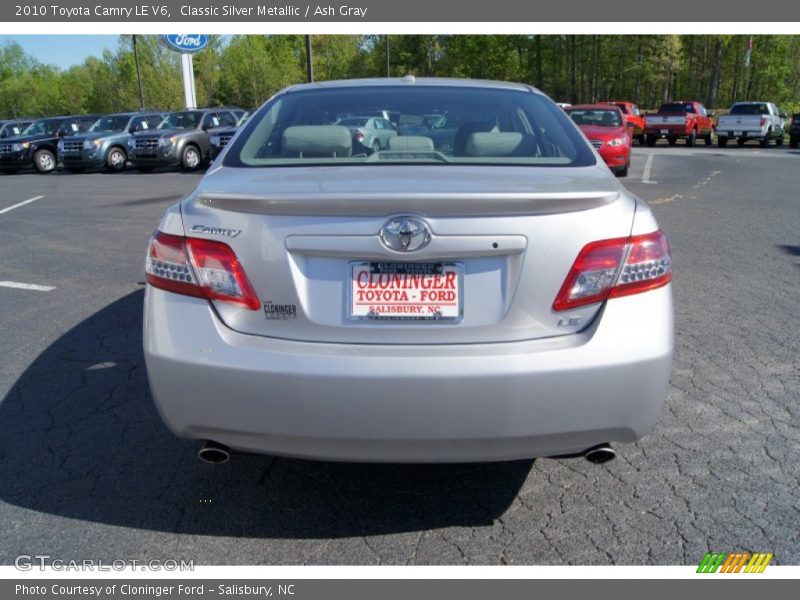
510	235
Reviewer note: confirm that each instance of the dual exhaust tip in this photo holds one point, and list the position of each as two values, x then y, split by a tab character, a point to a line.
214	453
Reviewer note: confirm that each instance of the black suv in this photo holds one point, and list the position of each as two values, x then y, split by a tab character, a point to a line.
794	131
13	127
182	139
37	146
221	137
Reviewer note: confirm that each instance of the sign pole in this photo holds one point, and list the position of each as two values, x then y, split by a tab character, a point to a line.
189	94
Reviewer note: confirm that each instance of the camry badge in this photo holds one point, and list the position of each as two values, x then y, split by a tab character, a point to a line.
216	230
405	234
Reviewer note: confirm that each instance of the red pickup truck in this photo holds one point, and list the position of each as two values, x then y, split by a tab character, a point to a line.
687	120
632	115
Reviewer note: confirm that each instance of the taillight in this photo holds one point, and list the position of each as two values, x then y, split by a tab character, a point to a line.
617	267
763	121
201	268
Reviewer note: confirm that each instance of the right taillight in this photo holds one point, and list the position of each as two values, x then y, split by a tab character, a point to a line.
616	267
197	267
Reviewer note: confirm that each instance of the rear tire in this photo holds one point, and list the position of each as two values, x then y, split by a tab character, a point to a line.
116	160
709	138
691	141
765	141
44	161
722	141
642	139
779	140
376	145
623	172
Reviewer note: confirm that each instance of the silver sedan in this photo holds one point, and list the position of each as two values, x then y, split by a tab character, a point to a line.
496	297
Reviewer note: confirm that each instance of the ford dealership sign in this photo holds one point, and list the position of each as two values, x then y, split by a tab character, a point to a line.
185	43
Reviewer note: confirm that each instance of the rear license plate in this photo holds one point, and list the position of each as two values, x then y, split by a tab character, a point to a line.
389	291
664	131
738	133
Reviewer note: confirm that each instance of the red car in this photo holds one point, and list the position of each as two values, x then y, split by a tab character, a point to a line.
608	132
688	120
632	115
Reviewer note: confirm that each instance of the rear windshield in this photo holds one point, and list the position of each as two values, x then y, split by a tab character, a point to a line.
676	108
595	117
451	125
182	120
352	122
749	109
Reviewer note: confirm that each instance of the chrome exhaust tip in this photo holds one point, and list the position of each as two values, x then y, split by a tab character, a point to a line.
214	453
602	453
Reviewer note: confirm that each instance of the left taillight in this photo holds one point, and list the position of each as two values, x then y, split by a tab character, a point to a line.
201	268
616	267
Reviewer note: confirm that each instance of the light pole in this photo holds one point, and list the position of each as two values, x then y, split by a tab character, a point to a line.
388	64
309	60
138	73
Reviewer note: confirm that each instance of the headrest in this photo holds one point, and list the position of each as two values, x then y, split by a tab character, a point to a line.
510	143
311	141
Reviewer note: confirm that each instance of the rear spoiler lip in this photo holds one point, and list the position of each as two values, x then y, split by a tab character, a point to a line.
437	204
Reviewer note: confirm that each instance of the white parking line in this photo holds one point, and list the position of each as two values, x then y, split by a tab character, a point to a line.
647	166
27	286
23	203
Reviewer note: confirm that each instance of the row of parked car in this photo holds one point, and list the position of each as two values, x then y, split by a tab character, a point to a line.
612	126
691	121
190	139
187	139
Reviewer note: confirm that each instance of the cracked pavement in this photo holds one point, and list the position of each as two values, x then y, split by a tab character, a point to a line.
87	469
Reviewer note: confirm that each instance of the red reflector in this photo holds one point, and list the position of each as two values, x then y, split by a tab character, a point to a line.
616	267
197	267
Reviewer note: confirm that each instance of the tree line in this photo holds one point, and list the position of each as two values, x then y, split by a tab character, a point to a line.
245	70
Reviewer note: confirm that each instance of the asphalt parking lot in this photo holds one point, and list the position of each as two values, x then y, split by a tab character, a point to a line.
87	469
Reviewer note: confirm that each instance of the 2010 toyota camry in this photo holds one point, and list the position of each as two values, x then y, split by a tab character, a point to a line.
482	291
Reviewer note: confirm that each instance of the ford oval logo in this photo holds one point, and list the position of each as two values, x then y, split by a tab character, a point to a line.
185	43
405	234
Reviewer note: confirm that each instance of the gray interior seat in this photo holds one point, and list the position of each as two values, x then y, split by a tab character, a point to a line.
410	143
311	141
506	143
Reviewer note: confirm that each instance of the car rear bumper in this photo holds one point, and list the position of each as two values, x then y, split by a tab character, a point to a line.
434	403
671	131
739	133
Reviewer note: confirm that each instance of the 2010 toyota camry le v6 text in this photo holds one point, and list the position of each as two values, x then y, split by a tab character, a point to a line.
462	280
